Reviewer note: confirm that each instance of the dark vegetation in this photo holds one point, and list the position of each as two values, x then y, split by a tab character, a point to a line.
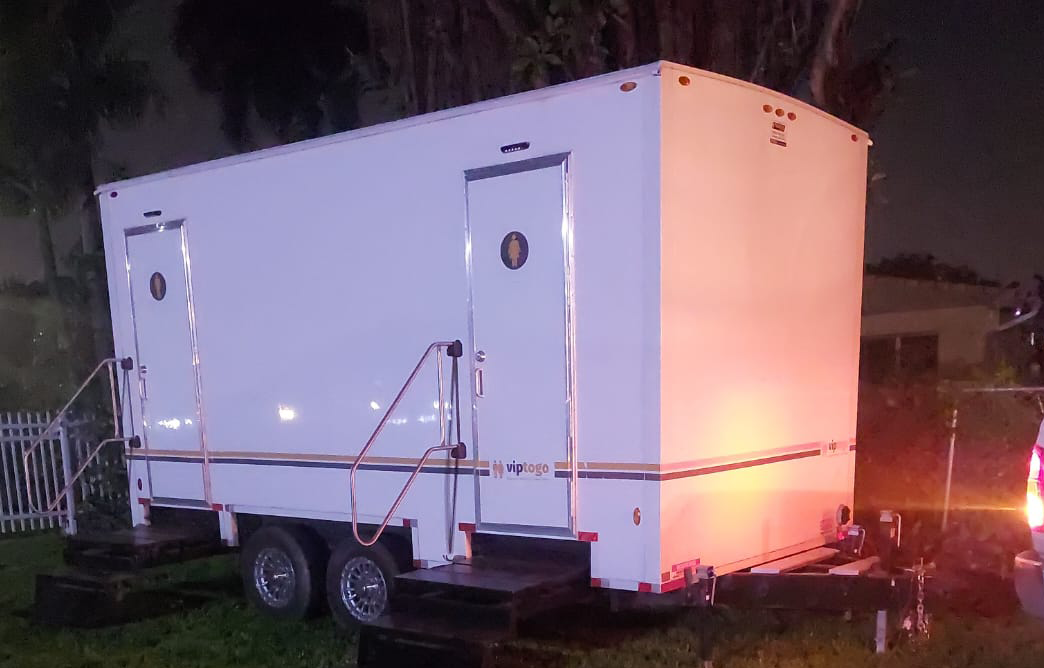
284	70
904	433
218	629
926	267
903	438
302	68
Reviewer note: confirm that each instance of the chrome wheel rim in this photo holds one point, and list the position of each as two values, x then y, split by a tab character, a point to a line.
363	589
274	577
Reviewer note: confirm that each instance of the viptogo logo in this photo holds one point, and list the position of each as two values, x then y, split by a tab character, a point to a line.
516	469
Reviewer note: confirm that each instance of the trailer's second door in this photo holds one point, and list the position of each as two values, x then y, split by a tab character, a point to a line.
166	359
519	261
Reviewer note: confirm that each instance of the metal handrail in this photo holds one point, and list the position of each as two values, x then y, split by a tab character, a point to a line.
83	467
442	446
110	364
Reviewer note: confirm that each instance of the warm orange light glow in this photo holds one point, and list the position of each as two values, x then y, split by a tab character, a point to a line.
1034	502
1034	507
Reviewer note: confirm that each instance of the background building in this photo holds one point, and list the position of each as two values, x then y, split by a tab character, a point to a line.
913	327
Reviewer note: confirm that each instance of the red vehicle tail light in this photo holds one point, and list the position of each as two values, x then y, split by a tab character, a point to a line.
1035	491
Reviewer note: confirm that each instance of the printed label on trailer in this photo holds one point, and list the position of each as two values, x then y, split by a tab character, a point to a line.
514	470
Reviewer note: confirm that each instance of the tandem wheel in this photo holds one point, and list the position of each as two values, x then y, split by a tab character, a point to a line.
359	583
282	570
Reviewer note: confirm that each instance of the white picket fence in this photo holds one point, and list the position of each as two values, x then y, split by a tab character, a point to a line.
55	462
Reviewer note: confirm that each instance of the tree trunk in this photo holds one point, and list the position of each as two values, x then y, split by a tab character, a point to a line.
684	32
409	66
50	264
432	52
625	43
372	39
665	28
469	54
725	38
97	288
827	54
507	21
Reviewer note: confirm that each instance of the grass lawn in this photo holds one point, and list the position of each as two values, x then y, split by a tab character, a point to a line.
225	632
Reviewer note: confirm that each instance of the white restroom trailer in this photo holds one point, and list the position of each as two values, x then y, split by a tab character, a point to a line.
656	277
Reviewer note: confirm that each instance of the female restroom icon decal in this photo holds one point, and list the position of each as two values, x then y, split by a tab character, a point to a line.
514	250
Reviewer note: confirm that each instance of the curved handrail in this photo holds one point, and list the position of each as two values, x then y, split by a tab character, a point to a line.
109	363
443	446
83	467
398	500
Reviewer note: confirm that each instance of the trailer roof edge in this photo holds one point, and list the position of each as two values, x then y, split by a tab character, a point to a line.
693	71
641	71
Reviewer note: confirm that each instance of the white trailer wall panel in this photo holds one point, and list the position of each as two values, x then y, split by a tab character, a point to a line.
321	272
314	276
762	247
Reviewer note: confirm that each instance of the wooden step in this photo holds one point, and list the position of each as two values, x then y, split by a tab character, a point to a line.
454	615
855	567
396	640
497	616
140	547
795	561
496	578
138	538
81	599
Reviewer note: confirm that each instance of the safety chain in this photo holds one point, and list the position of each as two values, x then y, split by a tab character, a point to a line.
917	627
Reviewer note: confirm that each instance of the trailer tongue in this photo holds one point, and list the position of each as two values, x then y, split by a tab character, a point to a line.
460	615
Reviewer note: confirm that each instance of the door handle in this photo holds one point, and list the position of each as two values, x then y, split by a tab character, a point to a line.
480	385
142	370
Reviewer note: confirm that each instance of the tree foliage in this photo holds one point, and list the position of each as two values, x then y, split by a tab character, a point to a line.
926	267
34	369
61	83
290	63
439	53
301	66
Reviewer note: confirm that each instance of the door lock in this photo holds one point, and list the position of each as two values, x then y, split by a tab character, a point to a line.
142	370
480	356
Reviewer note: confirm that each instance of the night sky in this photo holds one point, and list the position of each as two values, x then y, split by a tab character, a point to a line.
961	142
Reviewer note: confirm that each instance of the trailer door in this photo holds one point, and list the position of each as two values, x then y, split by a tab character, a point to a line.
166	361
519	254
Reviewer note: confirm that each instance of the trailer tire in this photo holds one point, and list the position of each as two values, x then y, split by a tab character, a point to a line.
360	582
282	569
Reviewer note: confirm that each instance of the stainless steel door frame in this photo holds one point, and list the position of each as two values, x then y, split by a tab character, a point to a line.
179	225
561	160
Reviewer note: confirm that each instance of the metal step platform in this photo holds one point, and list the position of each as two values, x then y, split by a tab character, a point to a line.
139	548
108	573
456	615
